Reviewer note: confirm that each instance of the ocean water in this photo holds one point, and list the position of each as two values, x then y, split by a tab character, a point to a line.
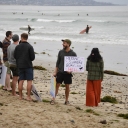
109	31
109	24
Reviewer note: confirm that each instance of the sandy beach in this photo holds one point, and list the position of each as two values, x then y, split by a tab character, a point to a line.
108	33
23	114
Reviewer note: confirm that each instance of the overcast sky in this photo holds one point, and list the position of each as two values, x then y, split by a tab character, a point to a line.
114	1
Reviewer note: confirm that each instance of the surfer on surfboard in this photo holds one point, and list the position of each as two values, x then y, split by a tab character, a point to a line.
86	30
29	29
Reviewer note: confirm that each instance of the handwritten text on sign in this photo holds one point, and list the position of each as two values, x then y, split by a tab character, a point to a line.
74	64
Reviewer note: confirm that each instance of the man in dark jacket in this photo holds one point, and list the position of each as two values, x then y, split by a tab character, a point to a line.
61	75
5	44
24	55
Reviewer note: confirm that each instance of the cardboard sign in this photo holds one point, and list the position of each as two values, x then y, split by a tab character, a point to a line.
35	93
73	64
3	71
53	86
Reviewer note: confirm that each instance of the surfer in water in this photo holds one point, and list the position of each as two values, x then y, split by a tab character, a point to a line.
29	29
87	29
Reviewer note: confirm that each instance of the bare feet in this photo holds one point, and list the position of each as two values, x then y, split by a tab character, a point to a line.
20	98
15	94
9	89
29	99
4	88
52	102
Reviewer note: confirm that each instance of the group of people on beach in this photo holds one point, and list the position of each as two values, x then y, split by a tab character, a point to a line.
18	57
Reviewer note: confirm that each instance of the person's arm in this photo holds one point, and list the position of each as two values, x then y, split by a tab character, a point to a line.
1	44
8	53
0	61
55	72
57	64
15	53
102	69
31	53
87	65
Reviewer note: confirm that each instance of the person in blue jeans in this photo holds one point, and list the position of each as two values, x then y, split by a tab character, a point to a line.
24	55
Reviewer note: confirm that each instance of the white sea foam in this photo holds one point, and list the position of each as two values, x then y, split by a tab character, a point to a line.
100	21
59	21
79	40
33	27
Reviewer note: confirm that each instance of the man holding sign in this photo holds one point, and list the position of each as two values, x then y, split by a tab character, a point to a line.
60	74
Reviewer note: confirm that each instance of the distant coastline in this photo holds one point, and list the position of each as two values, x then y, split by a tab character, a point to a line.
57	3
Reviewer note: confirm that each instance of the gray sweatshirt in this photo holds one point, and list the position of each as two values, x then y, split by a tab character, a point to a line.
10	53
60	61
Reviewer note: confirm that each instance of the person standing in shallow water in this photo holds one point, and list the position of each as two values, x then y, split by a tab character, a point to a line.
60	74
94	66
29	29
87	29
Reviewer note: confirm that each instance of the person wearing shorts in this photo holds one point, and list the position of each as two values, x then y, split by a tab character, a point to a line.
12	62
24	55
60	74
64	77
6	43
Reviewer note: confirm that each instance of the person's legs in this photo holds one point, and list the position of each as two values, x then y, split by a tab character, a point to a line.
57	88
29	78
5	86
20	87
67	81
15	77
97	91
67	90
7	82
59	80
29	88
21	81
14	82
90	97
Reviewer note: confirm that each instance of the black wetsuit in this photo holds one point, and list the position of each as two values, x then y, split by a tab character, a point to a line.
87	29
29	29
